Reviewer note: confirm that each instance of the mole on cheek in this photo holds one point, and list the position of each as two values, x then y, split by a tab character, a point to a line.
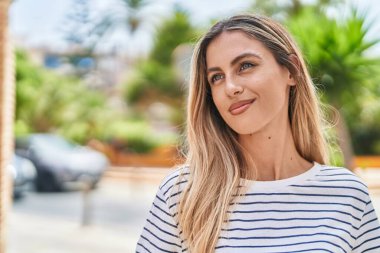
269	137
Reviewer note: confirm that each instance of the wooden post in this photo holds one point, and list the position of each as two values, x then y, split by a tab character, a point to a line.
87	205
7	99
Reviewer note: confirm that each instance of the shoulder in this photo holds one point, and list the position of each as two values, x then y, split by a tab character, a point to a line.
178	177
337	172
342	178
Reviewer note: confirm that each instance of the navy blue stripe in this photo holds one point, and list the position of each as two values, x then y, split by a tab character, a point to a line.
285	228
338	180
162	240
333	187
174	226
288	202
295	210
279	245
304	194
376	247
178	183
339	174
298	202
369	212
174	194
159	208
143	247
175	176
332	169
374	219
154	245
368	240
173	205
305	250
163	201
162	230
282	237
288	219
170	179
368	231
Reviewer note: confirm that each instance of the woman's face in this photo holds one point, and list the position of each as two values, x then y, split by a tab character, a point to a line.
248	86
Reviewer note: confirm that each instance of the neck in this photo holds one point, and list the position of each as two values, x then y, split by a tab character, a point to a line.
273	151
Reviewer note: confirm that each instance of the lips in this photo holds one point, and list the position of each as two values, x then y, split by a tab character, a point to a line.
241	106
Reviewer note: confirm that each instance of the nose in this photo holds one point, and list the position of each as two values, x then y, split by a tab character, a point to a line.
232	88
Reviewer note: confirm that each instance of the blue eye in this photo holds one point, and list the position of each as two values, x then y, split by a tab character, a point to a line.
216	77
245	65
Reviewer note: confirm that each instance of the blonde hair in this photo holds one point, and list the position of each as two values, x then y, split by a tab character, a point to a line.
215	158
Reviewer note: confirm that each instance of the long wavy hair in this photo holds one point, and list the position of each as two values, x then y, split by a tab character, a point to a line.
216	160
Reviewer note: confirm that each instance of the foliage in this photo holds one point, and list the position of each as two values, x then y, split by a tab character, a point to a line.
46	101
152	76
156	75
365	126
77	24
136	136
337	52
173	32
125	17
76	30
287	9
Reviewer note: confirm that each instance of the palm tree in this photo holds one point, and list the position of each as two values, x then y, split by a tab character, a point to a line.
337	53
287	9
127	16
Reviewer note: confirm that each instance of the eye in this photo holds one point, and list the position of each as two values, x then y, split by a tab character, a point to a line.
215	78
245	65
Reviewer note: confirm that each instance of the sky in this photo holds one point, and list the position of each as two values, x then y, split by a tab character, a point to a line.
38	22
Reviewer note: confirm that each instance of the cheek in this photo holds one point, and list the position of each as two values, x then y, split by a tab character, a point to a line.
274	99
218	99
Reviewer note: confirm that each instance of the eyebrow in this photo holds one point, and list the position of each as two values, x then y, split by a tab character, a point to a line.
235	60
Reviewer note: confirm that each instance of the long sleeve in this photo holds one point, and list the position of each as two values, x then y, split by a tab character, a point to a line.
368	236
160	233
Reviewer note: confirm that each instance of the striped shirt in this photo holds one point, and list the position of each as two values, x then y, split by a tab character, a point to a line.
325	209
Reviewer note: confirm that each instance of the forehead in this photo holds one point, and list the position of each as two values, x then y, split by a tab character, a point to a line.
230	44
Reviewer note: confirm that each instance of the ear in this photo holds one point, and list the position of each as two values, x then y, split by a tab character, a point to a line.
296	69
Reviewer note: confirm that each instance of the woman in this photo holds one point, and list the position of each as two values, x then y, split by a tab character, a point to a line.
256	178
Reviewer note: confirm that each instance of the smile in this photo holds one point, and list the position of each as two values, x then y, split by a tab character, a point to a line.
241	107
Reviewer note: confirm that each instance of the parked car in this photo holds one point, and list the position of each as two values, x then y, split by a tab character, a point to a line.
61	164
23	173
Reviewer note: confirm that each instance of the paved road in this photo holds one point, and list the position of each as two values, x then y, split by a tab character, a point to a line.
51	222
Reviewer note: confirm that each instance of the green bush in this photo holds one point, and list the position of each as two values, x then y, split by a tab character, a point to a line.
156	75
49	102
152	77
136	137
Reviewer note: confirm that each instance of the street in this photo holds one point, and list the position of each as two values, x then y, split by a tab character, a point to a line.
51	222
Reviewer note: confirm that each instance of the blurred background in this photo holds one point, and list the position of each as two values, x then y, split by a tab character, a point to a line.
99	106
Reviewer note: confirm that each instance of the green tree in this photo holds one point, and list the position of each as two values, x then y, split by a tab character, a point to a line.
286	9
77	24
125	16
46	101
155	78
76	29
337	52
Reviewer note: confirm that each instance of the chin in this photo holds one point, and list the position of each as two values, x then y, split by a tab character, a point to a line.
244	130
